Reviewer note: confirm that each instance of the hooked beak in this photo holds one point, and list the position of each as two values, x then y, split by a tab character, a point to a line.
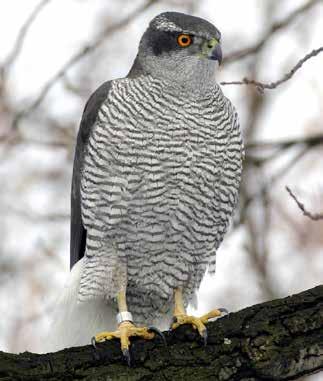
212	50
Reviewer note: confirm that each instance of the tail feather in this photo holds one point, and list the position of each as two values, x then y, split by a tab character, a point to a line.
74	323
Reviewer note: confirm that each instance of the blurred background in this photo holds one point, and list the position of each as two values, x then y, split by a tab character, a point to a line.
54	54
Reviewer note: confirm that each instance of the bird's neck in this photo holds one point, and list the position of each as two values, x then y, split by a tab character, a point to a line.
196	80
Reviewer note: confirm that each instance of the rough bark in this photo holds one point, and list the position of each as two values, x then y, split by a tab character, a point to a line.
276	340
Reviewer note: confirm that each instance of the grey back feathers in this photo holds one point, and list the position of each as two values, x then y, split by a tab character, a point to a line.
156	177
78	232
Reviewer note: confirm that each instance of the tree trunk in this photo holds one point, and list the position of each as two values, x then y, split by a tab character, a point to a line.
276	340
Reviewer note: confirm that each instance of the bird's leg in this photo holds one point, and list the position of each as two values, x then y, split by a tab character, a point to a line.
126	328
180	316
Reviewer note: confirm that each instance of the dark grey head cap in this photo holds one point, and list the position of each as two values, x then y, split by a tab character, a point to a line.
181	22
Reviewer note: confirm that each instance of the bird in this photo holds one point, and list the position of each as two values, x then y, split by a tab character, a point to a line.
156	177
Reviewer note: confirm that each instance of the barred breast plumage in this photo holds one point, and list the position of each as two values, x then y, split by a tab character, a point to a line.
159	184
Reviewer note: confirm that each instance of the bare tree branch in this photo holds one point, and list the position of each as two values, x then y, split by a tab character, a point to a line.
277	26
251	198
86	50
311	141
257	245
22	35
273	85
312	216
270	150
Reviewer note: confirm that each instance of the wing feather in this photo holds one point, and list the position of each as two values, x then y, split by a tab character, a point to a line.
78	231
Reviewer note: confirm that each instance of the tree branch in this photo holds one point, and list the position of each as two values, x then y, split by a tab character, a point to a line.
310	141
273	85
22	35
312	216
83	52
277	340
276	27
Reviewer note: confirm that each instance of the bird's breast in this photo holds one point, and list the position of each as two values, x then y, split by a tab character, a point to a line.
164	169
160	182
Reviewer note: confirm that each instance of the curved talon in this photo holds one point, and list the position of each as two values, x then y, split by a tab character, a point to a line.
157	332
197	322
125	331
204	337
126	355
224	311
174	320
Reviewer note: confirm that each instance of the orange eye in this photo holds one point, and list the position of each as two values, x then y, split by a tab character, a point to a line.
184	40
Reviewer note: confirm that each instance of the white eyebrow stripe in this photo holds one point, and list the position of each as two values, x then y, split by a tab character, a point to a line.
162	23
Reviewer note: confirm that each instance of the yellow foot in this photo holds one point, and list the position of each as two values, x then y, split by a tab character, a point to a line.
197	322
126	330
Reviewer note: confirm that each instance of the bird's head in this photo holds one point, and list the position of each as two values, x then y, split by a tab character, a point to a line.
182	49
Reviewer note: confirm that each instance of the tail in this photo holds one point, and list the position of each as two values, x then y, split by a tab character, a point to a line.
74	323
